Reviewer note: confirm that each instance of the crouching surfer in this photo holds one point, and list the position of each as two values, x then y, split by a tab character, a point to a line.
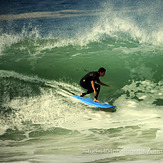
88	83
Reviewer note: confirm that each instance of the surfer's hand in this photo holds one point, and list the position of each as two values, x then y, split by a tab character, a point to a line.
95	93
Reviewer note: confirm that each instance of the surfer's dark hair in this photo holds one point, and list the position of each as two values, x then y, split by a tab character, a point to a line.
101	69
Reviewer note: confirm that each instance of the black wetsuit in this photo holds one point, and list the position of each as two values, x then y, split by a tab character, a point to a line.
85	82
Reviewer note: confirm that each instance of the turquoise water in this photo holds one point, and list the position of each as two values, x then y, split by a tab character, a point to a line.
57	42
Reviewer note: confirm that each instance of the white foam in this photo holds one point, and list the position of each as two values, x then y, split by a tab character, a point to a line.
137	105
7	40
54	107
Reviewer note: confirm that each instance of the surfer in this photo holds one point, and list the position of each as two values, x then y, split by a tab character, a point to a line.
88	82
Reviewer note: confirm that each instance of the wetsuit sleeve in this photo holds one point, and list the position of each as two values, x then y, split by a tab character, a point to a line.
96	78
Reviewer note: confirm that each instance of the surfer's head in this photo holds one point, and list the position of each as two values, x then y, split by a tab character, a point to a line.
102	71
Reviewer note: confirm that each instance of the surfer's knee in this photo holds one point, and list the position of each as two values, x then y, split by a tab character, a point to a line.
98	88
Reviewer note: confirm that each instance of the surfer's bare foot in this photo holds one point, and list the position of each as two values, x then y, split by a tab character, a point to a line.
95	100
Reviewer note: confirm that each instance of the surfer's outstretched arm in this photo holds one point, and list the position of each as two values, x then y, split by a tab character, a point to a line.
105	84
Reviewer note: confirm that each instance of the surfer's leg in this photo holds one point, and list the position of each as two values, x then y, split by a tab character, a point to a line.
83	94
86	86
89	90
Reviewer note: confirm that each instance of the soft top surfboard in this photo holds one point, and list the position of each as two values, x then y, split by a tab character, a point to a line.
86	100
91	102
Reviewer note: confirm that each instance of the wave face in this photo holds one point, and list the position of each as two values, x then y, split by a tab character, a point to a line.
57	42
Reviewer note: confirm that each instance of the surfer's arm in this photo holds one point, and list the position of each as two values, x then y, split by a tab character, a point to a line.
105	84
93	86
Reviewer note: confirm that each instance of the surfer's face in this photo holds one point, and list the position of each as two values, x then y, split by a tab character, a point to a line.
102	73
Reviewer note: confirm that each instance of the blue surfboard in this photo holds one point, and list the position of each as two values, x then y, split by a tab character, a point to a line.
91	102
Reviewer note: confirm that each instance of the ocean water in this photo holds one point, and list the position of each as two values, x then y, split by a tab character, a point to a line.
58	42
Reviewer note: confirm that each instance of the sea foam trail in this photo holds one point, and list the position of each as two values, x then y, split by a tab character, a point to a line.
53	107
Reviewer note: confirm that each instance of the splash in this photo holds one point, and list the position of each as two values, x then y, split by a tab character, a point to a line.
142	95
7	39
137	24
